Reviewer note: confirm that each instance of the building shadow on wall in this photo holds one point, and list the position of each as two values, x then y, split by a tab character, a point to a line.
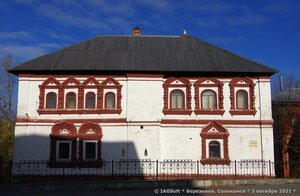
112	163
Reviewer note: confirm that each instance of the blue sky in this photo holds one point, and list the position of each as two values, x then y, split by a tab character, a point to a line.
265	31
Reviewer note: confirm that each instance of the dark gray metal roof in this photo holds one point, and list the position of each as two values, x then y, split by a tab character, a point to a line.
143	53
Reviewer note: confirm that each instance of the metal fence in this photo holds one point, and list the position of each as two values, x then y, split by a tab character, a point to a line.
39	171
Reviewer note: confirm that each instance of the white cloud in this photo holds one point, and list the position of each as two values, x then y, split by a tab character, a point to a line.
67	17
15	35
160	5
210	6
21	53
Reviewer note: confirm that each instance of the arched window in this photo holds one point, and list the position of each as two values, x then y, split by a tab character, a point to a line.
242	99
208	100
71	100
90	100
214	149
177	99
51	100
109	100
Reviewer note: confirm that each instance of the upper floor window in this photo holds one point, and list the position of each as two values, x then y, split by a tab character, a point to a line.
90	100
71	100
214	149
242	99
242	96
208	100
51	100
109	100
209	97
177	99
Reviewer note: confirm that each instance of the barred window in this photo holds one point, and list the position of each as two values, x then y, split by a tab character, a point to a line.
63	150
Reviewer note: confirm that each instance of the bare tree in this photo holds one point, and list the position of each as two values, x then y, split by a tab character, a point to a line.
7	113
286	115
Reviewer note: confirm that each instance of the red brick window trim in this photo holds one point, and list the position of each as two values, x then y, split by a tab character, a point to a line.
81	106
242	84
214	132
66	133
208	84
175	85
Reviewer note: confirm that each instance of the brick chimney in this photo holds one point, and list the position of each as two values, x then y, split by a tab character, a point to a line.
136	31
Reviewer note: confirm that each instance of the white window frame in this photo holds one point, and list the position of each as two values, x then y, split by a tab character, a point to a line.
84	147
57	150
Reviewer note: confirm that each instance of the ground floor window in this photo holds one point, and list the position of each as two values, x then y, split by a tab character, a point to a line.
63	150
90	150
214	149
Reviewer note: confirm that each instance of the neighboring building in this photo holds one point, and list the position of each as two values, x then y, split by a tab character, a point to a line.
286	115
143	97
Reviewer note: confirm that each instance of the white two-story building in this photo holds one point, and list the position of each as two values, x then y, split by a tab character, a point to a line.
143	98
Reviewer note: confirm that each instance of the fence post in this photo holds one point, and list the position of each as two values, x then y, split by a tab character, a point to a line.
262	168
235	171
10	171
63	174
270	168
112	169
156	169
197	169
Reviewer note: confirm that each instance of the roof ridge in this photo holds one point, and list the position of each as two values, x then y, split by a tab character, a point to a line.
175	36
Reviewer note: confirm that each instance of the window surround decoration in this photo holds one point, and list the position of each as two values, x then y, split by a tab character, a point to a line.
89	132
62	132
110	83
73	83
179	83
214	131
248	86
207	84
66	132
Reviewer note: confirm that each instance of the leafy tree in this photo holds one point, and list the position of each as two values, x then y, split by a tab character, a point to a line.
7	116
